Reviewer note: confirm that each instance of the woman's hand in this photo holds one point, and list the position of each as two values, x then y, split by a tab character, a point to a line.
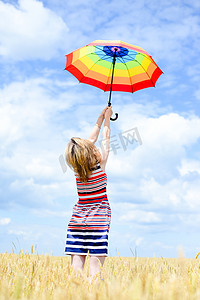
108	112
104	111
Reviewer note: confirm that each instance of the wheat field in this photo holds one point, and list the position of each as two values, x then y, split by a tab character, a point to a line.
44	277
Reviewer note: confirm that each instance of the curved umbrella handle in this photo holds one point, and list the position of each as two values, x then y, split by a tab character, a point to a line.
116	114
116	117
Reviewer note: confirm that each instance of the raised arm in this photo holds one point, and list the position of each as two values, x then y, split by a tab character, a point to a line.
96	129
105	144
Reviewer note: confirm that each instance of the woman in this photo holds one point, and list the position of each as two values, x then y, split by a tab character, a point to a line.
88	228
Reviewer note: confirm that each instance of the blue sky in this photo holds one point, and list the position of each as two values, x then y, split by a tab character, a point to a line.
153	188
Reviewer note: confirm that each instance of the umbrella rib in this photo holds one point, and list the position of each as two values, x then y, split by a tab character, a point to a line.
102	51
103	57
132	58
120	58
90	69
148	57
106	56
92	65
142	66
95	64
138	53
145	72
129	75
98	47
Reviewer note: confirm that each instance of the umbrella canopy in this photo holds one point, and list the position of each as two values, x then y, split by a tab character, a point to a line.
113	65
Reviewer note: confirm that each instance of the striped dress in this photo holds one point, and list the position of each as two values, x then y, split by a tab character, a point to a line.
88	229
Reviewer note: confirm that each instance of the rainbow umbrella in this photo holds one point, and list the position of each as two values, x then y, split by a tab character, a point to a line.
113	66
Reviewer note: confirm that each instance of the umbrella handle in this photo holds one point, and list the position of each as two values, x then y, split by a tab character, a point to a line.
116	114
116	117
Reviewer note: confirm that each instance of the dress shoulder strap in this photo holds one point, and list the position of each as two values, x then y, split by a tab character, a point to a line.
96	167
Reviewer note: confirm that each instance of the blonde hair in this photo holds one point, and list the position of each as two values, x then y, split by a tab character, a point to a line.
82	155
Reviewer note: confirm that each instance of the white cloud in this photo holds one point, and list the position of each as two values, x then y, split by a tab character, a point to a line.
164	36
27	106
32	139
21	233
139	217
39	235
165	141
5	221
139	241
177	193
133	214
32	142
32	31
51	213
188	166
191	220
130	240
26	233
161	174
